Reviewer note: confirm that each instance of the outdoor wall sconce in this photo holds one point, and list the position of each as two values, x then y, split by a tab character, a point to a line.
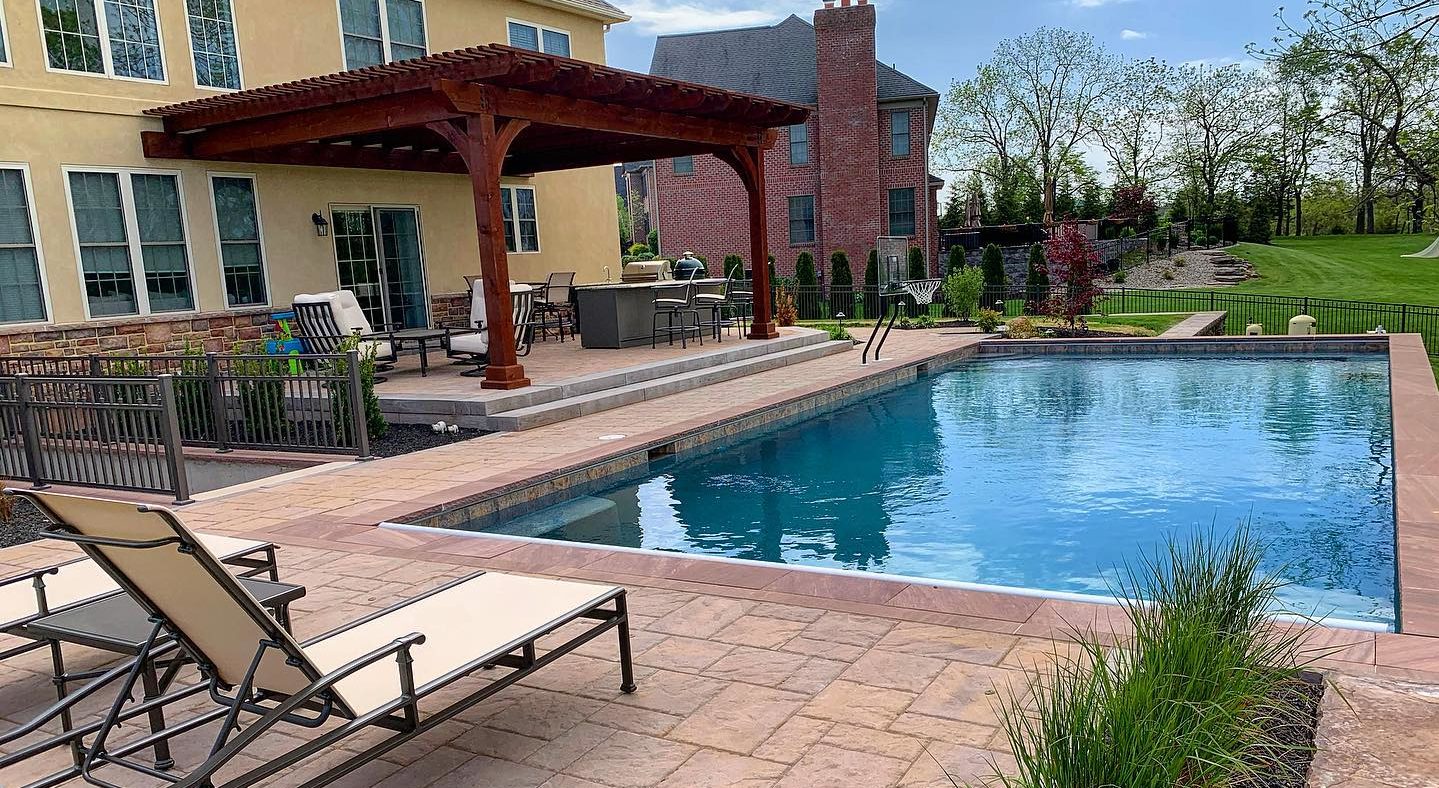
322	227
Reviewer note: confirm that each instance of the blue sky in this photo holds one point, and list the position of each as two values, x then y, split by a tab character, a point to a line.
936	41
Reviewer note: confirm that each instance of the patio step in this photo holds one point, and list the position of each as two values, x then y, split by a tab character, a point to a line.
578	405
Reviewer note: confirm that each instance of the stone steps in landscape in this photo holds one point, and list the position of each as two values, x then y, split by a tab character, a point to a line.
540	415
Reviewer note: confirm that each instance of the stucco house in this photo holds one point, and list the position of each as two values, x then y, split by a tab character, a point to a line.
103	248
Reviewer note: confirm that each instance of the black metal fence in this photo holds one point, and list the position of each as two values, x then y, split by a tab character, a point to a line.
277	403
119	433
1273	312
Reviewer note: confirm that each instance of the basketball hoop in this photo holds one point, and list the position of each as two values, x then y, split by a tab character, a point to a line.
921	290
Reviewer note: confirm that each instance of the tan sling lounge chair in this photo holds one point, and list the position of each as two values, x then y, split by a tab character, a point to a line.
372	673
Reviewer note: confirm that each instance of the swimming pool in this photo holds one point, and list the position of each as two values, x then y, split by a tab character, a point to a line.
1043	473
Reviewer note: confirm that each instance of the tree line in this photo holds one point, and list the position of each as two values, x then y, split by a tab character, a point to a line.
1330	127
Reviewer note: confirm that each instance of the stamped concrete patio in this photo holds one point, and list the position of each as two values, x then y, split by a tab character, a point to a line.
751	676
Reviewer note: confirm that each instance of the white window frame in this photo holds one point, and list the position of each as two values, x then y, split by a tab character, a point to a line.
132	239
24	169
106	61
239	58
385	42
540	34
259	232
9	60
515	219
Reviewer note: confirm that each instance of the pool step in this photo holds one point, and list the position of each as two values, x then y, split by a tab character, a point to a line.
534	416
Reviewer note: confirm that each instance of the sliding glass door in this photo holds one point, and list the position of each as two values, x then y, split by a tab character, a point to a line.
380	260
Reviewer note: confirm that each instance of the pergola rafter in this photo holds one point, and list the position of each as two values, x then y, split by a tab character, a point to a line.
487	112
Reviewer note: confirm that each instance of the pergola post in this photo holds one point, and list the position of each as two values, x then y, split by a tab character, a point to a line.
748	163
482	142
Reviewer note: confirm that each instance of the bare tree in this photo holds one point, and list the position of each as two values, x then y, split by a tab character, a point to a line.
1056	80
1221	114
1135	122
976	126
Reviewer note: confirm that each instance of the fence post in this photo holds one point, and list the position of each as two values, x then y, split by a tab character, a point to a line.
170	437
29	431
95	371
358	423
1403	318
1305	311
1212	294
219	421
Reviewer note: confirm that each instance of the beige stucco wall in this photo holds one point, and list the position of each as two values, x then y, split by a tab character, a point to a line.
55	120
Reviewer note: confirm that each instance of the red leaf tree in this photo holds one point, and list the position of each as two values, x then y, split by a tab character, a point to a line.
1073	266
1135	202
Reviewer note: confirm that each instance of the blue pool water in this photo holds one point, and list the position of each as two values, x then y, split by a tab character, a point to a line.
1046	473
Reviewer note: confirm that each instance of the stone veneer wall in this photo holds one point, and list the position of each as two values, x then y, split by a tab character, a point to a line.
449	309
214	331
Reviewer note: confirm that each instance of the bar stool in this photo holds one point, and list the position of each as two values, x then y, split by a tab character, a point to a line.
672	301
715	299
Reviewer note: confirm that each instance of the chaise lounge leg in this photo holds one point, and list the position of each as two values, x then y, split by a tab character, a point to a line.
627	666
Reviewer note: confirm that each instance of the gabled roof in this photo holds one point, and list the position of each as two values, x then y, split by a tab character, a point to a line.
776	61
599	9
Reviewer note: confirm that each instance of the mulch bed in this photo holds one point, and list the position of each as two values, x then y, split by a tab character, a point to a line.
1286	765
405	438
1078	333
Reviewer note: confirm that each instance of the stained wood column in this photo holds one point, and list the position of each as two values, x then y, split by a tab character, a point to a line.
748	163
482	141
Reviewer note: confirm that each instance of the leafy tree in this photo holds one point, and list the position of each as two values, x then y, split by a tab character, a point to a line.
1221	114
1135	122
1134	202
956	259
654	240
954	214
734	266
962	291
992	263
1036	287
841	285
917	267
627	222
1073	265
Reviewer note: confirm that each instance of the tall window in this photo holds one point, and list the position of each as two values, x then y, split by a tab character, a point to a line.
212	44
4	40
899	132
801	220
122	41
22	297
684	165
382	31
539	38
799	144
522	224
129	226
242	257
901	211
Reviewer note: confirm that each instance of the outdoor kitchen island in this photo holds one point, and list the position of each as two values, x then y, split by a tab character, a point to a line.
622	315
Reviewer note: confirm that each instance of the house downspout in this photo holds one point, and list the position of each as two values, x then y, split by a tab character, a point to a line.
929	249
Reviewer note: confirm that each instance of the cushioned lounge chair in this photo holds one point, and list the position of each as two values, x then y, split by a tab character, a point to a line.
328	319
472	345
372	673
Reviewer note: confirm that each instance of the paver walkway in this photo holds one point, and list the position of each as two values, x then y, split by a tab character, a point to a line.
750	676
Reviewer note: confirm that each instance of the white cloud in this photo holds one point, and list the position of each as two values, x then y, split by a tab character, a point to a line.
1096	3
687	16
1132	35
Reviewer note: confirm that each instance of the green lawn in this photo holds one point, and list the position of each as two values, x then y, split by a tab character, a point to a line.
1356	267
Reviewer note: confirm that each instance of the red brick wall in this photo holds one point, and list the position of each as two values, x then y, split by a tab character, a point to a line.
215	331
846	128
909	172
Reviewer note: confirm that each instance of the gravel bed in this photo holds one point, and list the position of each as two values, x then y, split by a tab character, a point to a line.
1197	271
24	525
405	438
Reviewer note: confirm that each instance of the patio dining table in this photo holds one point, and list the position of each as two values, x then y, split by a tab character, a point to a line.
422	337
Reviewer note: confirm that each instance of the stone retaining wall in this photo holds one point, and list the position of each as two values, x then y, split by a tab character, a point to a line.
213	331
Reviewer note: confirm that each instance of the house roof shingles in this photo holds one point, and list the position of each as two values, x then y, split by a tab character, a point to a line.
784	69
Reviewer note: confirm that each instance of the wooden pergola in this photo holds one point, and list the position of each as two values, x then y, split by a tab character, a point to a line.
486	112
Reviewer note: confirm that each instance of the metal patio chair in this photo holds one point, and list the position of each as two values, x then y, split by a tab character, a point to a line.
553	307
371	674
470	343
671	302
327	320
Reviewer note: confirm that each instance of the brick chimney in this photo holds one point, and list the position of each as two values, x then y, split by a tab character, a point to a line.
847	127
